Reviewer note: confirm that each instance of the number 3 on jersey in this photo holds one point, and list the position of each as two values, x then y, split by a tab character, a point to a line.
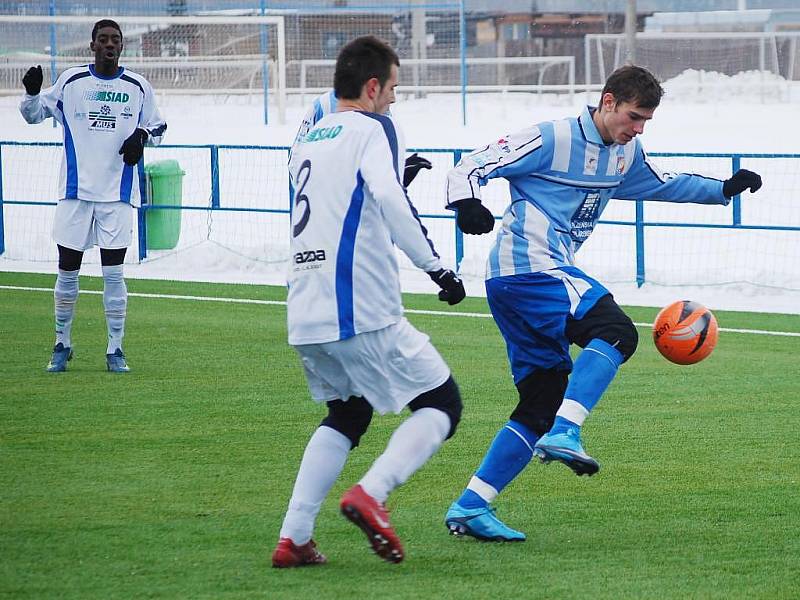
301	198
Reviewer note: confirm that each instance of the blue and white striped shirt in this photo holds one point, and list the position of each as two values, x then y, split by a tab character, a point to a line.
561	176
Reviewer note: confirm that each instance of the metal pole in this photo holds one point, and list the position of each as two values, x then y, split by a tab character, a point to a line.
53	75
419	45
463	35
630	32
264	65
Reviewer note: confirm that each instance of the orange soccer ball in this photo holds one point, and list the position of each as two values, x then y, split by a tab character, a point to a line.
685	332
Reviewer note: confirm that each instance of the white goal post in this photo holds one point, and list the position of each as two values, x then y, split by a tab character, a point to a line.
189	69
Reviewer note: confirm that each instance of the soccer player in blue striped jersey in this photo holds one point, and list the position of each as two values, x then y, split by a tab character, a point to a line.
561	176
107	113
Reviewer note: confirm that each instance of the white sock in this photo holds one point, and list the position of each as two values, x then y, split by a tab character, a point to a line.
323	461
410	447
115	301
65	295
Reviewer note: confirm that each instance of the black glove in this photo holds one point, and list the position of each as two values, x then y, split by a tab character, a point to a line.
472	216
133	148
32	80
452	288
414	163
739	182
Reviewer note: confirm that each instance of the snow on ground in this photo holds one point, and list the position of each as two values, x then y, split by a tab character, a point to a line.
761	116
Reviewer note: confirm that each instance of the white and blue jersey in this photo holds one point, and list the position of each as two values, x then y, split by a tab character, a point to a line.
98	114
324	104
350	210
561	177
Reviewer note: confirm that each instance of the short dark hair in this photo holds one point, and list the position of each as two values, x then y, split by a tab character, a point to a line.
104	23
358	62
634	84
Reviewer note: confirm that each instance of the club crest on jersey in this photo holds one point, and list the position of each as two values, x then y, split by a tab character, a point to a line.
503	145
620	164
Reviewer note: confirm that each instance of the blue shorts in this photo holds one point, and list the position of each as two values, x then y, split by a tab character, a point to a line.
531	310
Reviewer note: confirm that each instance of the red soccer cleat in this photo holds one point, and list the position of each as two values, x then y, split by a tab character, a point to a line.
373	519
287	554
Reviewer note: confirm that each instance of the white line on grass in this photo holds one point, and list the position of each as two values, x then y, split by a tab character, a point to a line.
408	310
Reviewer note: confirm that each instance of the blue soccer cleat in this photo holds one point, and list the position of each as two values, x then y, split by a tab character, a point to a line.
566	448
58	361
480	523
116	362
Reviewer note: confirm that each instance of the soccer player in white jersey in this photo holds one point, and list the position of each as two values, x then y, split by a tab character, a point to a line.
107	113
325	104
345	316
561	175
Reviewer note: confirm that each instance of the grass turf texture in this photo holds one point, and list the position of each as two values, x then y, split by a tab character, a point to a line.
172	481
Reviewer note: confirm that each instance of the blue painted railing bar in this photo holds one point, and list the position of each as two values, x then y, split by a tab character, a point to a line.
215	174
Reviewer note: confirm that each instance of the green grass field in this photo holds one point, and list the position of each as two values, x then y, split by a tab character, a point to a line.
171	481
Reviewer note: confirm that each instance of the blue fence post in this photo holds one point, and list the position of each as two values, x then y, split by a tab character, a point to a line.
736	164
142	212
459	233
639	243
214	176
2	223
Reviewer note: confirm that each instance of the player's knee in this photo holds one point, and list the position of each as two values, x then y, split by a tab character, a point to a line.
69	259
350	418
608	322
111	257
445	398
622	335
540	395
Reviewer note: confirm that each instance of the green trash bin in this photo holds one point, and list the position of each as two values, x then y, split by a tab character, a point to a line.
164	187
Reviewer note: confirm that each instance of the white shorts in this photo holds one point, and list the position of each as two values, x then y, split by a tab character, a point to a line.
388	367
80	224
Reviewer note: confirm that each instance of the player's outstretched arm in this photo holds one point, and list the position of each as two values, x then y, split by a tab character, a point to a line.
452	290
38	105
472	217
739	182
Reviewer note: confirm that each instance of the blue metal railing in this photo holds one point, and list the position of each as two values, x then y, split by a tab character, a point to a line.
216	202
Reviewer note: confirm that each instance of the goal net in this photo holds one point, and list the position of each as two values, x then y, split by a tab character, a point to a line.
705	67
210	55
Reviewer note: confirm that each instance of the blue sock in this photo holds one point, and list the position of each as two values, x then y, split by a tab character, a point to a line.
594	370
509	454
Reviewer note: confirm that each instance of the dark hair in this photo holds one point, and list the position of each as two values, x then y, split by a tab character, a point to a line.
358	62
634	84
104	23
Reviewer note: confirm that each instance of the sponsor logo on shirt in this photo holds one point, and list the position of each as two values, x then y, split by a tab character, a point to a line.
101	96
102	120
584	219
322	133
126	113
309	259
503	145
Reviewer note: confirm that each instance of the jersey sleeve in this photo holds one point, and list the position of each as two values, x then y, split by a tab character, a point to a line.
380	173
36	109
513	155
151	119
645	181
